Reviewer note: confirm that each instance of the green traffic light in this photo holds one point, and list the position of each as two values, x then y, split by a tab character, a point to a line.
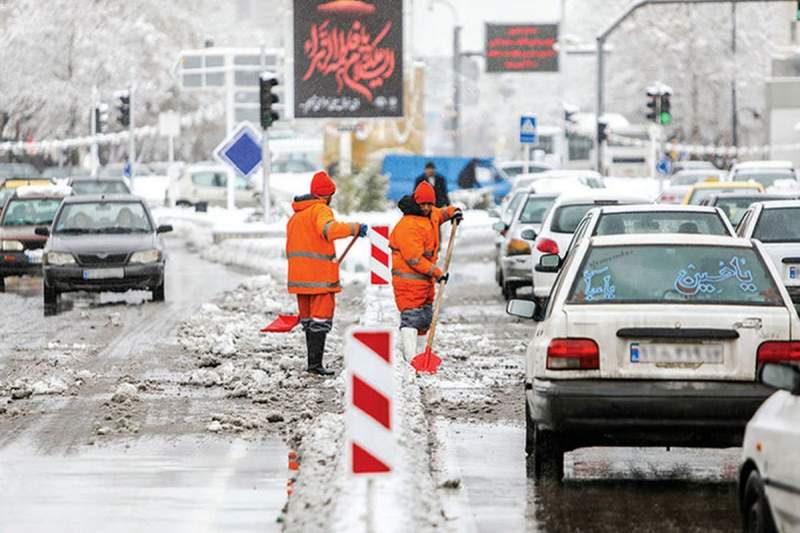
665	118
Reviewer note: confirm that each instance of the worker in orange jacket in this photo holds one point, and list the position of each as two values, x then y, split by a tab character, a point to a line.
313	270
415	250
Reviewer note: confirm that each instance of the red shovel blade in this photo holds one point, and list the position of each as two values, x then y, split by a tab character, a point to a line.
427	362
282	324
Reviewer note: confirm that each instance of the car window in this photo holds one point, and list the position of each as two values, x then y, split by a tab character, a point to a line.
209	178
560	279
579	233
103	217
567	217
30	211
99	187
535	210
699	194
735	208
742	227
695	274
661	222
778	225
5	194
765	178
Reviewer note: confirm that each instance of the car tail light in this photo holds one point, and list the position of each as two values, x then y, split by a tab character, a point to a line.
778	351
573	354
547	246
518	247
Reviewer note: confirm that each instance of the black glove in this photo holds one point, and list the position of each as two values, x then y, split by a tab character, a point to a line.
362	230
443	279
458	216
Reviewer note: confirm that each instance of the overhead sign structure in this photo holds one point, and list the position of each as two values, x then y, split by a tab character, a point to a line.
528	129
369	406
241	150
521	48
348	58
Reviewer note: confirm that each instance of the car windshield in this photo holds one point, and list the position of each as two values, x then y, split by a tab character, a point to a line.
666	274
690	178
766	178
30	211
535	210
778	225
99	187
736	207
5	194
103	217
567	217
701	194
661	222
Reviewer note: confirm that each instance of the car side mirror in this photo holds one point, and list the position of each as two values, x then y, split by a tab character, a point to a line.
528	235
549	263
781	376
42	232
164	228
494	213
499	227
523	309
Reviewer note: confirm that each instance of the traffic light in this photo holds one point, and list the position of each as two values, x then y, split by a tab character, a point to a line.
267	82
100	118
123	108
652	105
665	113
602	132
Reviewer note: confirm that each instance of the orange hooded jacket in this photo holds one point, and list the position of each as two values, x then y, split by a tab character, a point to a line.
415	250
309	246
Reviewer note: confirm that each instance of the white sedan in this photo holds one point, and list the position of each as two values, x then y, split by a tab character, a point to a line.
652	340
769	480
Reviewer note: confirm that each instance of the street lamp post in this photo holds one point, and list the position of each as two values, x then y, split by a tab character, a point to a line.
456	73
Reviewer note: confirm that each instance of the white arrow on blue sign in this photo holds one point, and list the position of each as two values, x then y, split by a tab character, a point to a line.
664	166
241	150
528	129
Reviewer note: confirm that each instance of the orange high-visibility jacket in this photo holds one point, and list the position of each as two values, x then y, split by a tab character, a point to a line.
415	250
309	246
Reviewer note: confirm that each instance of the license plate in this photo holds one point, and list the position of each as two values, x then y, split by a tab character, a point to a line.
34	257
104	273
676	353
793	273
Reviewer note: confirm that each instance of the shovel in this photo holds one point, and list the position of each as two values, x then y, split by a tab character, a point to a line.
286	323
428	362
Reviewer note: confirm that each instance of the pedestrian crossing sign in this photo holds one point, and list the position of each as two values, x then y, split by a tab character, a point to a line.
528	129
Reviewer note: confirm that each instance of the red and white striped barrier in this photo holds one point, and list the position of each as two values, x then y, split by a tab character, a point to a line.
381	256
369	407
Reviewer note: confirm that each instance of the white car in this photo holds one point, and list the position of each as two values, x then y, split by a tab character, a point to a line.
652	340
769	479
208	183
775	176
628	219
777	226
559	226
512	169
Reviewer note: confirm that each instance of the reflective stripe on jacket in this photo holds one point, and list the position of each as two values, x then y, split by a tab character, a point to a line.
309	246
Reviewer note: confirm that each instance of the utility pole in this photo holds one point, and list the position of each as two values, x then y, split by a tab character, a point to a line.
734	118
93	132
267	82
131	129
457	89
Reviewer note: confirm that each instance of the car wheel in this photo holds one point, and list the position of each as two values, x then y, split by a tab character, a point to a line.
183	203
158	293
50	301
548	457
509	291
2	284
499	276
529	430
755	509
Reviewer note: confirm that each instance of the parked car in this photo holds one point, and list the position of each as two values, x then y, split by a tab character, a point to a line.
681	181
209	183
769	478
21	247
652	340
512	169
558	227
751	166
103	243
89	185
773	180
679	166
639	219
513	265
735	204
777	226
700	191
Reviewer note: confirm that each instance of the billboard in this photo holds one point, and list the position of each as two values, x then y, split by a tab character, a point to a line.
521	48
348	58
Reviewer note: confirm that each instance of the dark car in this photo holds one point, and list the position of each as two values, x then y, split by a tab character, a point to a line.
735	204
90	185
28	209
103	243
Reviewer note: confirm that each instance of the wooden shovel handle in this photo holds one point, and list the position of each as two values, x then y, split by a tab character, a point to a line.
437	306
346	250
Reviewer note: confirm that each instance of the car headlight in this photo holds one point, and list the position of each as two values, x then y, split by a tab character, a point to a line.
59	259
146	256
11	246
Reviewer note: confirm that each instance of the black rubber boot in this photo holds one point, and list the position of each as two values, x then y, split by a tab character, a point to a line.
316	349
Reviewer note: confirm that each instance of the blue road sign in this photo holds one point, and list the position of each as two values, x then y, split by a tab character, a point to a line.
127	169
664	166
241	150
528	129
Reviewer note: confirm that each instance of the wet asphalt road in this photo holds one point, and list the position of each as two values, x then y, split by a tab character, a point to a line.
56	475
